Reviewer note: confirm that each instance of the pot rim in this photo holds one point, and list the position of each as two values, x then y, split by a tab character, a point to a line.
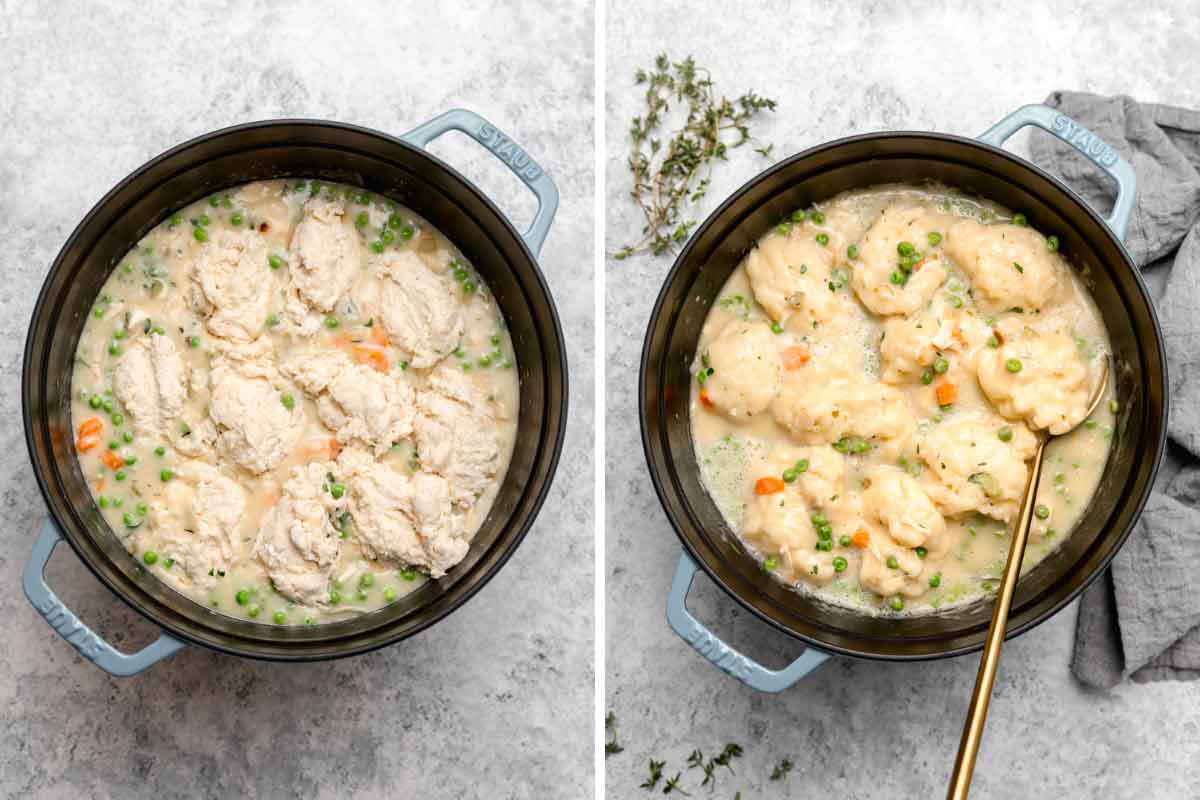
550	456
662	485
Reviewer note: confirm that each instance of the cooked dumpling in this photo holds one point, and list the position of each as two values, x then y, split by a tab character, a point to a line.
745	370
1036	375
790	276
455	434
977	463
820	403
879	278
232	285
896	501
1010	266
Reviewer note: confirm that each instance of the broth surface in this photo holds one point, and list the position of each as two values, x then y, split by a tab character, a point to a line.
295	402
869	386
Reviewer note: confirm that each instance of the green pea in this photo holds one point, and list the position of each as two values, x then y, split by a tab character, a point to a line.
495	339
771	563
799	215
852	252
897	278
789	475
819	519
119	475
363	198
892	562
935	581
993	342
242	597
1013	365
387	236
407	232
113	444
214	201
818	218
337	490
394	221
776	327
288	401
253	610
237	219
825	532
200	234
822	239
802	465
150	557
130	460
460	274
361	594
840	564
389	594
897	603
114	349
824	546
783	228
934	238
922	552
279	617
367	580
1091	424
844	541
119	334
468	287
1052	244
168	563
486	361
1005	434
130	520
1019	219
927	377
172	222
98	313
94	401
309	621
940	365
274	261
906	248
272	320
1114	406
362	219
166	475
118	502
102	501
1041	511
409	574
203	220
107	405
160	451
377	246
335	597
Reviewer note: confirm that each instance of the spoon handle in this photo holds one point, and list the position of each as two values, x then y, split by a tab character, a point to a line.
968	747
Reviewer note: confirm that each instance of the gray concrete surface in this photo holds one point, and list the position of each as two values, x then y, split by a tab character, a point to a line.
859	729
494	702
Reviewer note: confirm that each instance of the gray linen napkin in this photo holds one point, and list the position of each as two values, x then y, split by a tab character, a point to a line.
1142	618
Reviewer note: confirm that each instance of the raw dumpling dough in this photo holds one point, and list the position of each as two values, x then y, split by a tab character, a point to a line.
255	429
232	285
298	542
1010	266
1051	388
149	382
326	254
196	520
455	433
421	310
745	365
879	258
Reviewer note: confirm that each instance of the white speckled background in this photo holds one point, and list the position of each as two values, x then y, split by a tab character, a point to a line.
495	701
858	729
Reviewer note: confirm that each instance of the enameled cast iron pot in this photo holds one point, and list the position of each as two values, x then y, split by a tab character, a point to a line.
398	168
1091	243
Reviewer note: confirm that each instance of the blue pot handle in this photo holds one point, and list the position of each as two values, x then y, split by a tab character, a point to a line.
705	642
505	149
69	626
1083	140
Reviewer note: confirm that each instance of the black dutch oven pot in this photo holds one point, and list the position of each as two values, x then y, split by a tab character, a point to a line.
980	167
397	168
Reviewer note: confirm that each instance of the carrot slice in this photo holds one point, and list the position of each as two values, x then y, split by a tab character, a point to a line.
705	400
371	357
861	538
796	357
379	335
334	447
768	485
90	425
87	442
111	460
946	392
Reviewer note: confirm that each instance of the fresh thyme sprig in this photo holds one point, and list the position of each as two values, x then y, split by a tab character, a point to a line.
670	177
611	748
781	770
656	768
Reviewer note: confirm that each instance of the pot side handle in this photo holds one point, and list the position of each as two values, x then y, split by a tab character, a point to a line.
505	149
69	626
1092	146
724	657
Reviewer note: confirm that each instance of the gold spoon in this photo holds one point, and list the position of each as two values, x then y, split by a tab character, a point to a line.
968	748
